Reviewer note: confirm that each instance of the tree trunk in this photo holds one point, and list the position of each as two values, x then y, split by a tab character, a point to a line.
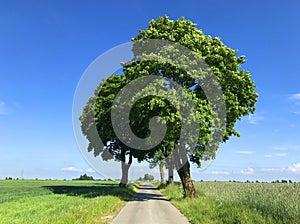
125	167
170	177
183	169
186	181
170	171
161	172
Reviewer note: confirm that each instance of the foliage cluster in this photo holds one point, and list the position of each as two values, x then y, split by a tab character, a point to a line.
84	177
147	177
171	64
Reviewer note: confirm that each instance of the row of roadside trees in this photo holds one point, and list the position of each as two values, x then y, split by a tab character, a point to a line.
174	151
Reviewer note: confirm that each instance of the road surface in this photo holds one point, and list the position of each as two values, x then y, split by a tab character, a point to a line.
149	206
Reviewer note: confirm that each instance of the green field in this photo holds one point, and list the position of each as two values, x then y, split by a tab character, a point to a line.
37	201
224	202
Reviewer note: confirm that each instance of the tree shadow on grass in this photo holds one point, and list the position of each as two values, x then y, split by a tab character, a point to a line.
93	191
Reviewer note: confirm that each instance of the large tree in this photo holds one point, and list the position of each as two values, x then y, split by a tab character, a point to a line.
152	60
96	125
237	87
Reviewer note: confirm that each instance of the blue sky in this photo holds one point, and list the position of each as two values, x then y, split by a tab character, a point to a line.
46	46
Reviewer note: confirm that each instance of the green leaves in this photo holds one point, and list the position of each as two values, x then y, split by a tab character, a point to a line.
162	59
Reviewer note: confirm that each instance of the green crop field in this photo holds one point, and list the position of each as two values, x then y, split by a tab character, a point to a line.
37	201
224	202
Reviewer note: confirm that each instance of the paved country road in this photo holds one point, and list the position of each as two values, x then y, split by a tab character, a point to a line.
149	206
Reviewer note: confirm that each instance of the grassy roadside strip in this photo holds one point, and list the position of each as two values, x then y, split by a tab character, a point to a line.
101	209
61	202
225	203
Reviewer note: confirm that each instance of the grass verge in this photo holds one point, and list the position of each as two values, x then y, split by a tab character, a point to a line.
64	202
247	203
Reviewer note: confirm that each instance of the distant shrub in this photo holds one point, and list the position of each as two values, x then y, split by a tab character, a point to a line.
148	177
84	177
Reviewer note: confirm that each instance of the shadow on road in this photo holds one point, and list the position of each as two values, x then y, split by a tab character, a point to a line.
147	187
146	194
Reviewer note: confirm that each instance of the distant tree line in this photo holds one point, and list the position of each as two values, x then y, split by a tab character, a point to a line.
147	177
84	177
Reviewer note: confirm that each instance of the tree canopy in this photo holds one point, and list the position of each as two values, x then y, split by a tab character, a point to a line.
148	177
169	96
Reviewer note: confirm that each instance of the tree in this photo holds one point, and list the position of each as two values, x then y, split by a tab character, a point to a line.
158	160
236	84
148	177
96	124
179	146
84	177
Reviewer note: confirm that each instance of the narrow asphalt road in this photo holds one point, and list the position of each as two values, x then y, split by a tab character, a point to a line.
149	206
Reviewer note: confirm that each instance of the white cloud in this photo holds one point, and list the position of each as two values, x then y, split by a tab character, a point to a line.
245	152
219	172
280	147
286	147
282	150
268	156
275	155
296	112
295	97
295	168
71	169
255	119
275	131
90	170
280	154
272	169
4	109
248	171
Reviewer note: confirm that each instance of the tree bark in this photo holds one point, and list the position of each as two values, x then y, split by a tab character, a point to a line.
125	167
183	169
161	172
170	171
186	180
171	177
